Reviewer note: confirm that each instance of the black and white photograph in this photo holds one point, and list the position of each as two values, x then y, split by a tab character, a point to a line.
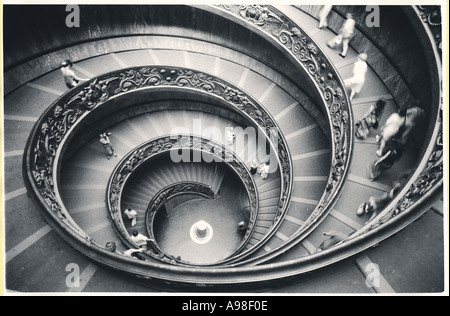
200	150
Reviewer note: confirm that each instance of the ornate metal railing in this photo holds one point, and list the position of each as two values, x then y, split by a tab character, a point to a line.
424	183
48	137
427	179
286	34
56	124
148	150
170	192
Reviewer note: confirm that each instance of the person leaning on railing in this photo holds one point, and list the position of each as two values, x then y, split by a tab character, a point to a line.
132	253
131	215
70	78
141	241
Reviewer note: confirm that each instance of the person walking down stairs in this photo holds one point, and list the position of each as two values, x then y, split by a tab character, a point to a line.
106	142
345	34
356	82
324	12
264	170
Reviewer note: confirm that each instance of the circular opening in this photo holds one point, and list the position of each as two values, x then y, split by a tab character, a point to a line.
201	232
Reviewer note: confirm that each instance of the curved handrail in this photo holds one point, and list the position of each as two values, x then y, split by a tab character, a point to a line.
98	91
285	33
426	181
55	125
143	153
199	278
167	193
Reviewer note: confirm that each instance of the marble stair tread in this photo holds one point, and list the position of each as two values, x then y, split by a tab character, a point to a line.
269	184
32	275
293	118
54	79
310	141
300	211
275	99
12	178
309	190
100	64
21	220
138	195
16	134
170	57
312	166
136	58
79	198
269	194
330	224
269	202
25	95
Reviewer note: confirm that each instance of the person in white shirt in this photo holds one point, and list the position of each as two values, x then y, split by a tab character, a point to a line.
345	34
140	240
264	170
131	252
70	78
254	167
356	82
131	215
326	9
111	246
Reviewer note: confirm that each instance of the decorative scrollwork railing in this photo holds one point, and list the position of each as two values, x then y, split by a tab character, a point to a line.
168	193
56	124
57	121
43	150
148	150
285	33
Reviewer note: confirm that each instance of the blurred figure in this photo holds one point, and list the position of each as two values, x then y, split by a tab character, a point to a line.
326	9
263	170
131	215
345	34
254	167
356	82
70	78
390	130
242	227
370	120
335	238
376	203
132	253
393	151
399	126
414	116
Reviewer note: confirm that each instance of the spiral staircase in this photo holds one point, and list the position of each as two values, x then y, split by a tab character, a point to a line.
153	79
